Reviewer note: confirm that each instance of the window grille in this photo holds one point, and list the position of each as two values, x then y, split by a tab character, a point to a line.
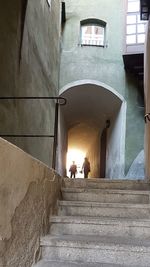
93	32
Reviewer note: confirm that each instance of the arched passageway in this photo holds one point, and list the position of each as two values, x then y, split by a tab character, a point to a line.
94	114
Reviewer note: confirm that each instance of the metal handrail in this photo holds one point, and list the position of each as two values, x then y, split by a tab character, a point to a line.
59	101
35	97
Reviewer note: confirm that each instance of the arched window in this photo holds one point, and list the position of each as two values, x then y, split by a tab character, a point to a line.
93	32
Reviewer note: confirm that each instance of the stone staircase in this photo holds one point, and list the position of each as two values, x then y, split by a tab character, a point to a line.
100	223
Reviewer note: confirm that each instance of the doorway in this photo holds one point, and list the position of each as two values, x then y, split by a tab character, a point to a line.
89	105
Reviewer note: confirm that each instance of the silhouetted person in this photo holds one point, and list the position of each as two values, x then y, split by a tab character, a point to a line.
86	167
73	170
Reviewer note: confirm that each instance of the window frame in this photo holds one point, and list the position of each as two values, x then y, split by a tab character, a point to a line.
137	45
93	22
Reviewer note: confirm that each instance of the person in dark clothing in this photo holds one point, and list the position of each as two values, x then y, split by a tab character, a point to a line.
86	167
73	170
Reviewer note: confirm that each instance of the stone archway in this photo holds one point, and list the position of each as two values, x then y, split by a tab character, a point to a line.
89	104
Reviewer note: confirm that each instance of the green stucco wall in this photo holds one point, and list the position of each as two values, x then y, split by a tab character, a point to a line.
102	64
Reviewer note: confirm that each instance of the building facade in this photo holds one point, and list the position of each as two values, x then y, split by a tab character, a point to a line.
96	38
92	71
103	115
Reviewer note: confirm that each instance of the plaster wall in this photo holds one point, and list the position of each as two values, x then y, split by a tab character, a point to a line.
28	195
134	124
62	145
116	145
103	64
97	63
29	52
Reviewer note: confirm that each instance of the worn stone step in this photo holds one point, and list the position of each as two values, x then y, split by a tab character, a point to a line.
117	227
80	208
107	184
106	195
43	263
96	249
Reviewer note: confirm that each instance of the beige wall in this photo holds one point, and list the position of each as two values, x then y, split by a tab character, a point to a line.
28	195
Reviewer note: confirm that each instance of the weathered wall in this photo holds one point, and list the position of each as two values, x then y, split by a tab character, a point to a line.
147	103
28	195
29	53
102	64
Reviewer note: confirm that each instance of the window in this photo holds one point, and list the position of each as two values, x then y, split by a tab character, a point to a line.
135	28
93	33
133	6
145	9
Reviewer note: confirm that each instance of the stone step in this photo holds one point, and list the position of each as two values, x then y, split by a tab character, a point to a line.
83	225
80	208
106	195
43	263
106	184
94	249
